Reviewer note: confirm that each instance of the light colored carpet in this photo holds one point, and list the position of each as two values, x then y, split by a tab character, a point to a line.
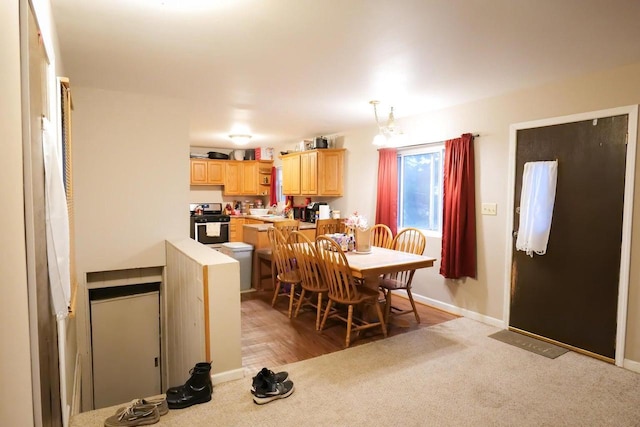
451	374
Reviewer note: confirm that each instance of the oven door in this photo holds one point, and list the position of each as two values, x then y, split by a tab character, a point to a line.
211	235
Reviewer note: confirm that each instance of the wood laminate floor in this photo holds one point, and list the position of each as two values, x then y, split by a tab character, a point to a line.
271	339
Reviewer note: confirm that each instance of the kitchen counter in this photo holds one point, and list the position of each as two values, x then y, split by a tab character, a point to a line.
256	235
269	218
264	227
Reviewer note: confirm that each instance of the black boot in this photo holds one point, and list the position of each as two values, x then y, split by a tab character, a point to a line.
197	389
199	367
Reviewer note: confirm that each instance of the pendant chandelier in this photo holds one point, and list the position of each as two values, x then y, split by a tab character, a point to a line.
389	134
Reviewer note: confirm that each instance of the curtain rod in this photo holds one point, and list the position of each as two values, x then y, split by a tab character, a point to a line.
475	135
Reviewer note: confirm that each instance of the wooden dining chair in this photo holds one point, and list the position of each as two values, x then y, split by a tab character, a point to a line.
286	226
328	226
313	284
287	274
344	291
408	240
265	255
381	236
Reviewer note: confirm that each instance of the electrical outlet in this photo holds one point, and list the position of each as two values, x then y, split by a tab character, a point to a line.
489	209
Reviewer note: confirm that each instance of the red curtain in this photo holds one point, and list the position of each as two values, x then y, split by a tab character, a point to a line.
273	197
387	205
459	210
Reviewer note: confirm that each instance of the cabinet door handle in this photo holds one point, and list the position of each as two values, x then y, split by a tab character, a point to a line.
155	362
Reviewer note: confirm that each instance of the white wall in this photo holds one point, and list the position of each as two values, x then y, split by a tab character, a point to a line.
491	118
16	406
131	175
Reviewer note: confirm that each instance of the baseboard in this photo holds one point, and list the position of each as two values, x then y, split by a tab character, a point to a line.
223	377
631	365
449	308
77	381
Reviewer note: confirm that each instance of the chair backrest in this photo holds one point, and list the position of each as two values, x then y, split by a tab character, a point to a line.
336	271
381	236
283	259
286	226
410	240
304	251
328	226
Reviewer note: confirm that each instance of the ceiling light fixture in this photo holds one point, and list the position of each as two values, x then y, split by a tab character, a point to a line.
240	139
389	133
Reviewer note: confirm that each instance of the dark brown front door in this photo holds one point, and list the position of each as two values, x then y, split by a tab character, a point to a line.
570	294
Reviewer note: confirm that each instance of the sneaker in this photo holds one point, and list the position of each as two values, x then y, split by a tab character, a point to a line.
160	403
280	377
271	390
134	415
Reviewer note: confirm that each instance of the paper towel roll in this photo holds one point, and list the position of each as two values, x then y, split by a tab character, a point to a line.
323	213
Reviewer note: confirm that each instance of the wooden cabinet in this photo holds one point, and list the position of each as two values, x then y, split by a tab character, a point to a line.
330	172
291	174
264	178
207	172
309	173
235	229
243	177
313	172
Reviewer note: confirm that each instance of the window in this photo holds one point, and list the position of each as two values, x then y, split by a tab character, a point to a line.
420	173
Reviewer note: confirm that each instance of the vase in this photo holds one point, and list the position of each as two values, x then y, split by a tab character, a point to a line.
363	239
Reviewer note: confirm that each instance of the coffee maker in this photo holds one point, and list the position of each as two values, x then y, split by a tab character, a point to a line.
312	211
300	213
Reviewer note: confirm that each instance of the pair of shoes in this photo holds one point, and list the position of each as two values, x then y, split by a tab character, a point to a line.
197	389
135	414
268	386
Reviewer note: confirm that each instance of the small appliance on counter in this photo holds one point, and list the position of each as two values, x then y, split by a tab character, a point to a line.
313	211
300	213
320	142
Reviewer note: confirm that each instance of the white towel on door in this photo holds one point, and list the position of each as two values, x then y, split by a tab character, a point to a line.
213	229
536	206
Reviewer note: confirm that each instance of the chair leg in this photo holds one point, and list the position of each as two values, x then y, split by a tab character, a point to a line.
387	305
381	318
413	304
349	320
326	314
292	295
275	293
299	304
318	311
273	273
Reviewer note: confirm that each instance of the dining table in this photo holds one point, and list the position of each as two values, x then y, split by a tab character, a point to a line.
369	266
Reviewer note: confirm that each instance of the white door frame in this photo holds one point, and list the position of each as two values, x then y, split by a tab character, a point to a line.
625	255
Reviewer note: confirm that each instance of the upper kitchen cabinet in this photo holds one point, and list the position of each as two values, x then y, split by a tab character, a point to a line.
313	172
246	177
207	172
291	174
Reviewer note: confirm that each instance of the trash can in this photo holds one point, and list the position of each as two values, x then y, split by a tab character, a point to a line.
241	252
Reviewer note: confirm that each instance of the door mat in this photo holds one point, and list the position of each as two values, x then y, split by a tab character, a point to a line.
533	345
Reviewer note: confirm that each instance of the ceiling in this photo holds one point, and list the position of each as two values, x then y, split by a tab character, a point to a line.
286	70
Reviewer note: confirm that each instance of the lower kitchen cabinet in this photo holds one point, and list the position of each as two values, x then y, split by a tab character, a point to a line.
235	229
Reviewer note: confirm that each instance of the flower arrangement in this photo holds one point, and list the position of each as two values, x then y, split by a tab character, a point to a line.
356	220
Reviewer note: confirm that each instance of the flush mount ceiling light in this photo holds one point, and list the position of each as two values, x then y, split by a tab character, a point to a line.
388	133
240	139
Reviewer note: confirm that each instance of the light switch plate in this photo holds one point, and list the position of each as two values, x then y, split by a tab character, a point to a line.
489	209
